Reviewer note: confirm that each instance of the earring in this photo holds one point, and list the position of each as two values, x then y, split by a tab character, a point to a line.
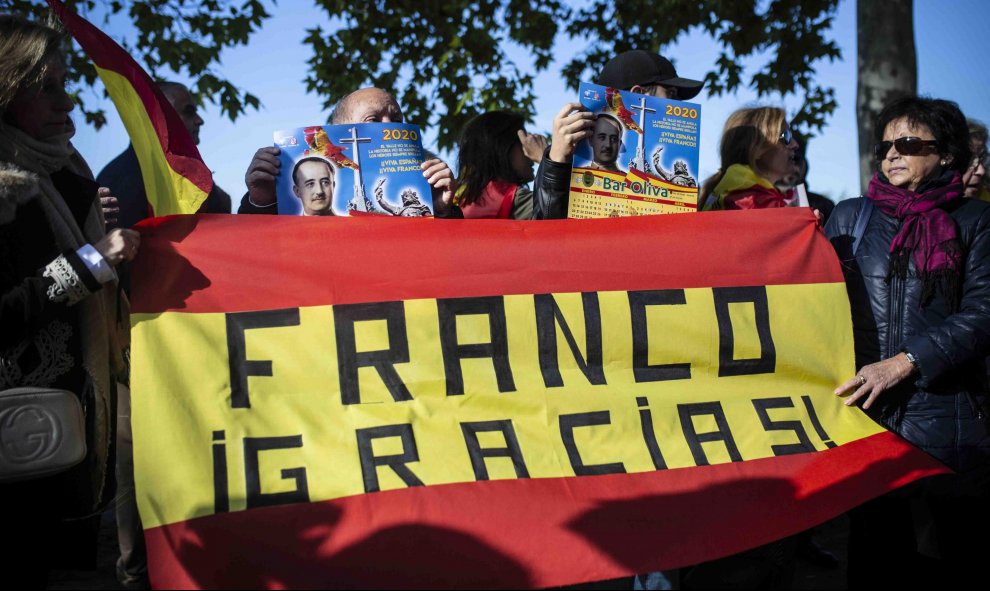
944	163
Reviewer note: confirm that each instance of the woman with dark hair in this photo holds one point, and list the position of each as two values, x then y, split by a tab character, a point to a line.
757	152
916	256
495	159
59	314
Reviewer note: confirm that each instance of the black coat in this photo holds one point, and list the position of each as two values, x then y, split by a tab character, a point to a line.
551	189
943	407
40	339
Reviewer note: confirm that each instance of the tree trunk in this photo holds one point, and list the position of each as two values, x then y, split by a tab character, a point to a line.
888	67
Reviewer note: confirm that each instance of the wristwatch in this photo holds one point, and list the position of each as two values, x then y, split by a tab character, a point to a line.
912	359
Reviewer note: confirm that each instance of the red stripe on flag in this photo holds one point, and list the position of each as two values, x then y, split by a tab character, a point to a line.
176	142
268	262
497	533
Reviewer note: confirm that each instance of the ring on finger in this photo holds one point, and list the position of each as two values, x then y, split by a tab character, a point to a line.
862	380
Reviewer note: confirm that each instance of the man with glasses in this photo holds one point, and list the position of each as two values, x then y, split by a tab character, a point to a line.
365	105
637	71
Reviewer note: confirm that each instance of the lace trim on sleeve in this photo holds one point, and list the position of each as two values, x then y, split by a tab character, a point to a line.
68	287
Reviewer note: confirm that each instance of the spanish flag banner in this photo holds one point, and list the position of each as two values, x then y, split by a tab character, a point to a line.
176	180
424	403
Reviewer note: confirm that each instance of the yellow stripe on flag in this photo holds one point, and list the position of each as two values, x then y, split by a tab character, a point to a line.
168	192
181	369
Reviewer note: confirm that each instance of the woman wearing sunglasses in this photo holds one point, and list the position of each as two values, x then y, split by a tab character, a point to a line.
916	255
757	152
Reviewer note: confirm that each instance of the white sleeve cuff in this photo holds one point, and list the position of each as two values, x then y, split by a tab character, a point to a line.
96	264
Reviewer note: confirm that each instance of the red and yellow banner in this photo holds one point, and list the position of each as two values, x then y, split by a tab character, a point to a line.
176	180
429	403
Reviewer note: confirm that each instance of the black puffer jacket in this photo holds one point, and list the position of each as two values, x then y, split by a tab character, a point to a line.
943	408
551	189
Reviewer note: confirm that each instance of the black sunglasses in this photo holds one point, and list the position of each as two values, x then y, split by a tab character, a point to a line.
906	146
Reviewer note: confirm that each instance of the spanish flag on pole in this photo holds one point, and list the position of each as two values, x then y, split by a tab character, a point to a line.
176	179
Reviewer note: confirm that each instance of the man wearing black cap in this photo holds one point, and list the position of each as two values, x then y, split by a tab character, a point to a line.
637	71
647	73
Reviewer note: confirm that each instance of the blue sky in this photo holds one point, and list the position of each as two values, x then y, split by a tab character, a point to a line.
950	36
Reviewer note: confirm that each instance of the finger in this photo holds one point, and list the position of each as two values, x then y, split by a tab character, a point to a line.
849	385
430	163
536	148
441	183
267	151
576	126
439	179
433	165
567	109
577	136
523	136
436	169
270	165
582	119
859	393
874	393
103	191
261	176
267	163
130	237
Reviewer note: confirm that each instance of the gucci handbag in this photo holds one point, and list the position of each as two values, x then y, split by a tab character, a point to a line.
42	432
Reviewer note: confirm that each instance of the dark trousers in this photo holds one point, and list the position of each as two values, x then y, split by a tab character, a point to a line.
913	538
132	566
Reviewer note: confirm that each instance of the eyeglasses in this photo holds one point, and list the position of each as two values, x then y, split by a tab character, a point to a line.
786	137
906	146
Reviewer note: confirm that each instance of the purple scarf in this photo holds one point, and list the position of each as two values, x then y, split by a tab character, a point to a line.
928	233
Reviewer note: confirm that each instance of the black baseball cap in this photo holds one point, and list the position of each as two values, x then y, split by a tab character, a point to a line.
642	68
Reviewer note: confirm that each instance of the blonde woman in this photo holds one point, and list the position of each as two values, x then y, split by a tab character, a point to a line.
757	151
59	305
